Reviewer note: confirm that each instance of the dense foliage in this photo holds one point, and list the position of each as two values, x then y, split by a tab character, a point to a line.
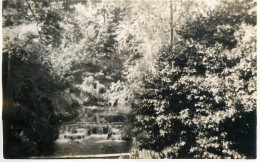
202	101
187	68
30	113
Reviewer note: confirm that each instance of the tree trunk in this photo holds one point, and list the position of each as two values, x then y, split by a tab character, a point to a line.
6	65
171	24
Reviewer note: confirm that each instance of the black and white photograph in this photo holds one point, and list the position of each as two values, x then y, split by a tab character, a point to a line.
129	79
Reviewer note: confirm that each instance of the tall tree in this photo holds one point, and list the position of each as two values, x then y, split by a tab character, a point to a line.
171	23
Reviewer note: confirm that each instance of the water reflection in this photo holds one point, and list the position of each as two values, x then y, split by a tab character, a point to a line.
91	145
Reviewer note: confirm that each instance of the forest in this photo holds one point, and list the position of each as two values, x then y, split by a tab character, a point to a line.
184	71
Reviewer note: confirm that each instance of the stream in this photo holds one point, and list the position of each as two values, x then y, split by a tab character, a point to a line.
97	131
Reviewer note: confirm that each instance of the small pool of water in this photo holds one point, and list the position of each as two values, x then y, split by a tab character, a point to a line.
92	145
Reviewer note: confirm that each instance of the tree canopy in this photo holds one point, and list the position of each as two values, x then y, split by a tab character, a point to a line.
185	71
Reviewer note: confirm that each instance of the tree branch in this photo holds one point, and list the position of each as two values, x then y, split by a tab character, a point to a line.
37	24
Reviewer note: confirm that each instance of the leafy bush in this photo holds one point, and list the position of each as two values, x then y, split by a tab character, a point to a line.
204	89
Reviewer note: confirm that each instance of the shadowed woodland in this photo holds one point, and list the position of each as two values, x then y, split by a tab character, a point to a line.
182	73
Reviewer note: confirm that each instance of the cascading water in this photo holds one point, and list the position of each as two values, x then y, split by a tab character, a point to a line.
95	131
